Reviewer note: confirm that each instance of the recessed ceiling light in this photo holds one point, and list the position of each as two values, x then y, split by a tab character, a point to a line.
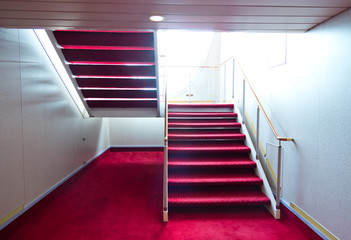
157	18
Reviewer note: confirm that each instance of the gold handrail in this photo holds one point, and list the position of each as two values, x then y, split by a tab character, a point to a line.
261	107
280	139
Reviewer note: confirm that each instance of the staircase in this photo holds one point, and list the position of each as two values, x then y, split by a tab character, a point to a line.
209	163
114	72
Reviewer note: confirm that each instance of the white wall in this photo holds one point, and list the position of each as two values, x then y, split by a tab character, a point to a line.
309	98
41	130
136	131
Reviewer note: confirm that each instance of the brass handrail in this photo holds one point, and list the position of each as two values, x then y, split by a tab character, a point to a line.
280	139
261	107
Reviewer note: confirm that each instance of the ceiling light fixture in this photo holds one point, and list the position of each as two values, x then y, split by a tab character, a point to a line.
157	18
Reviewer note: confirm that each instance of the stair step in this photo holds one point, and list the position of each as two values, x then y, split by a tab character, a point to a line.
111	38
200	105
219	197
84	55
150	103
115	83
203	114
206	179
205	121
227	161
176	164
216	146
202	136
203	124
205	131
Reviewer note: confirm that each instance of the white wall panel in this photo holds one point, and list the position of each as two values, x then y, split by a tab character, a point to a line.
11	151
136	131
43	136
309	99
334	140
53	129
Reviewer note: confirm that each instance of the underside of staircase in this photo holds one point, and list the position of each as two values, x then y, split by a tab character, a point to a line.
114	72
209	163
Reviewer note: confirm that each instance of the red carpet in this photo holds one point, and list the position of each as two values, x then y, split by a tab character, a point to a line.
119	196
227	177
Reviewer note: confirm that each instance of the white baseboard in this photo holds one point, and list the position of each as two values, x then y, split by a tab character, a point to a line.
303	219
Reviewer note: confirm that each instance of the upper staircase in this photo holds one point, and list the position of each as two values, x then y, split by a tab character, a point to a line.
209	162
114	72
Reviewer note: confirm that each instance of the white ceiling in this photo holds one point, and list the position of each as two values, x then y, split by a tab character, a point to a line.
218	15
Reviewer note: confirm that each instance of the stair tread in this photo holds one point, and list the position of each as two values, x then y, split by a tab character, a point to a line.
210	160
203	114
216	198
200	105
172	136
234	163
213	178
219	146
204	131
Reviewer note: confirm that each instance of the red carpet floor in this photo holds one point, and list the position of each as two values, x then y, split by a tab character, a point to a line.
119	196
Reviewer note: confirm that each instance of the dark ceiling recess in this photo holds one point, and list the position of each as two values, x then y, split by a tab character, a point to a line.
114	71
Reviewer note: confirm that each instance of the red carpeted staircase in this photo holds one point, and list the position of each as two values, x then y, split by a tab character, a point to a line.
208	162
114	72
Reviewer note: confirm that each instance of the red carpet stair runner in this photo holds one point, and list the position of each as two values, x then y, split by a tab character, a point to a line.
209	163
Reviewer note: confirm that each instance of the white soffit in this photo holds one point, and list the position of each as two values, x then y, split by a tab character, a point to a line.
220	15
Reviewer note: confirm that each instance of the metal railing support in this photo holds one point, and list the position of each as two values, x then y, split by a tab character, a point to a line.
258	133
233	79
280	139
243	101
165	182
279	174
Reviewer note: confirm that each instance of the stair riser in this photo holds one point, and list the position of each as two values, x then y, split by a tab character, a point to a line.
200	110
192	184
184	167
225	125
206	138
203	131
216	204
203	167
209	115
171	150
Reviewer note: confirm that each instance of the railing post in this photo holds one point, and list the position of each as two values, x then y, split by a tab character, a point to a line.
244	101
165	182
189	100
279	174
165	163
225	83
233	79
258	133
